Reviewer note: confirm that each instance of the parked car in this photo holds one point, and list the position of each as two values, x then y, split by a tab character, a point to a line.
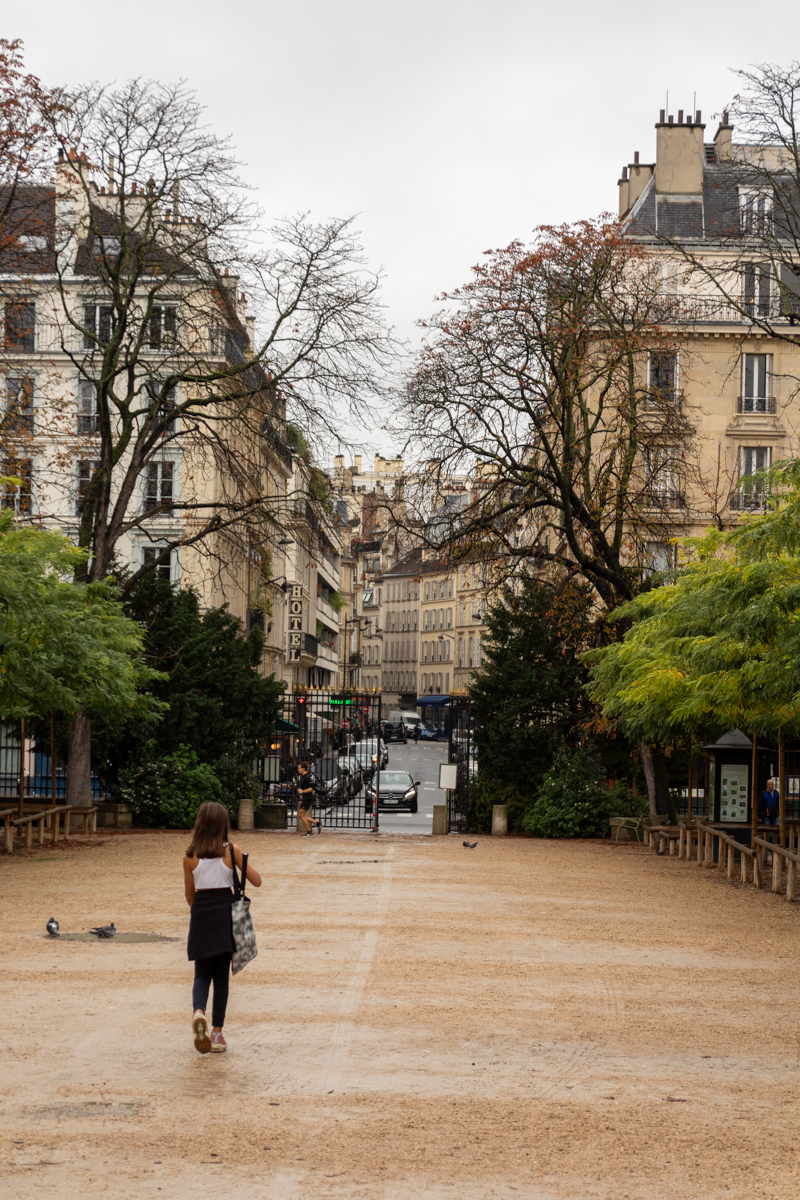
365	755
397	791
428	733
334	783
394	731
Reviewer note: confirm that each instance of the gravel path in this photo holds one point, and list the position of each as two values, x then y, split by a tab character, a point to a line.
423	1022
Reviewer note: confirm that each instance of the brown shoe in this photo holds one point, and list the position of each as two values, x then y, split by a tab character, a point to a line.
202	1041
218	1044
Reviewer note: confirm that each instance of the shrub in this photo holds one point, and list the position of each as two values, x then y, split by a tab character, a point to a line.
574	799
167	792
483	794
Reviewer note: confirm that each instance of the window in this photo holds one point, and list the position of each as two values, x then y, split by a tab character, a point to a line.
19	407
18	496
662	378
755	383
86	470
752	492
756	290
162	328
659	558
31	242
449	618
427	591
662	474
88	420
20	325
471	652
158	486
99	322
165	398
164	569
461	652
755	211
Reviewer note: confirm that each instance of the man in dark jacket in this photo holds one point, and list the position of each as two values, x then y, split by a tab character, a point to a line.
770	804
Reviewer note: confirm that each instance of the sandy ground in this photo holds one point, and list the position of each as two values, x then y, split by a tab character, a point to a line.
532	1019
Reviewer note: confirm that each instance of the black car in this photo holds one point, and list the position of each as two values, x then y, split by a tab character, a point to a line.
394	731
397	791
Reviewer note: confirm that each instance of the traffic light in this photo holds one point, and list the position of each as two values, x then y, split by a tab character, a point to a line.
301	709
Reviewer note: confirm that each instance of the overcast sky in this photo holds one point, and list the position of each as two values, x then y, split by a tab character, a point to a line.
449	126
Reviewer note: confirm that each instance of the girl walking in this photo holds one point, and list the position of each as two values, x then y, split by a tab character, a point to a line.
208	882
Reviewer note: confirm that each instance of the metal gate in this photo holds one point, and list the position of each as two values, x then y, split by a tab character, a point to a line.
336	733
459	751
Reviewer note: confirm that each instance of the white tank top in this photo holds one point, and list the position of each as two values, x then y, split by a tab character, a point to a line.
212	873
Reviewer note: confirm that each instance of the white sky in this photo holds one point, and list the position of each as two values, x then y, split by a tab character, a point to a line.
449	126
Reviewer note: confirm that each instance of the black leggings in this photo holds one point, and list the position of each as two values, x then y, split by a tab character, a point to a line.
206	971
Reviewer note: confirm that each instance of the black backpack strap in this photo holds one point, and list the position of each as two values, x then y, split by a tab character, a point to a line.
236	885
244	874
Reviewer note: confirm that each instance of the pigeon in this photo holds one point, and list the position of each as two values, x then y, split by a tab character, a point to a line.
104	931
469	845
52	927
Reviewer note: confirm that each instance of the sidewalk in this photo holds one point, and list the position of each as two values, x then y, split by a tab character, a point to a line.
535	1019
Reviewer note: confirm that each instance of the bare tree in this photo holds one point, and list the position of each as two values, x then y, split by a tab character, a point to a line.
546	389
181	338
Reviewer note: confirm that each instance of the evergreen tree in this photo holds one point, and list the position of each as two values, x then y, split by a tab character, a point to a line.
220	706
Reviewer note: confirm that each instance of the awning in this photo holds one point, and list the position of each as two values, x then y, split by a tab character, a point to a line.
432	701
282	726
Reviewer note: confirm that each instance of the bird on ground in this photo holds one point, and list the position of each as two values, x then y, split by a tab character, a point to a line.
469	845
104	931
52	927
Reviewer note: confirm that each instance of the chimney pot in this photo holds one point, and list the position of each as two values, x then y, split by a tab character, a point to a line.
725	117
670	120
662	116
133	189
624	172
60	154
698	116
680	116
636	157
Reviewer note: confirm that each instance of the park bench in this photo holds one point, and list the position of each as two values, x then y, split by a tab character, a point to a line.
664	837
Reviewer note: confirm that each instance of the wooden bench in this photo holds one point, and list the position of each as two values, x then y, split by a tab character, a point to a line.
667	837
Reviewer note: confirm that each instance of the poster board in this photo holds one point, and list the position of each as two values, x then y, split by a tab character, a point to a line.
733	791
448	775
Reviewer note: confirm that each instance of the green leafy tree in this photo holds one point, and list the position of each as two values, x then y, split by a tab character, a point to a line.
220	706
65	647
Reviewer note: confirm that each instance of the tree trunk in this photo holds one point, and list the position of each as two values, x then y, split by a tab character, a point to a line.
79	761
649	769
655	773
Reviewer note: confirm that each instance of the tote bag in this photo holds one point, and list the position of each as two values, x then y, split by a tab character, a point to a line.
244	936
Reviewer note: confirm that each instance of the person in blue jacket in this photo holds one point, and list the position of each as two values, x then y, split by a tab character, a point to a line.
770	804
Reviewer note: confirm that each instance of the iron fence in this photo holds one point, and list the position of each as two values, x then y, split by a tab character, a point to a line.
459	751
336	733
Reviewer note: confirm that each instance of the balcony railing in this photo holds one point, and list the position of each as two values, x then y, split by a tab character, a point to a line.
755	404
753	502
698	310
310	644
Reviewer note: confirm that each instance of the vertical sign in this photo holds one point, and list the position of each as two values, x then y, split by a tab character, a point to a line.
295	622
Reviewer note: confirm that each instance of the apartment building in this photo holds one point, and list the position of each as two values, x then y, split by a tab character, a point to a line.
703	213
400	618
61	383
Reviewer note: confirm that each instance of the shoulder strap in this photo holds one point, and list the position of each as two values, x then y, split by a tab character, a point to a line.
236	885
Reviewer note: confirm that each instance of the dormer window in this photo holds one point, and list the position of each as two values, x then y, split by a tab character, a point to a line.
755	213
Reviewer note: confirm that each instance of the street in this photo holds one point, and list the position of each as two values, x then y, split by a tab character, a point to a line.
422	760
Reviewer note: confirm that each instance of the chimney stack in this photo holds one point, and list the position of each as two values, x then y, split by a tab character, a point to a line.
679	157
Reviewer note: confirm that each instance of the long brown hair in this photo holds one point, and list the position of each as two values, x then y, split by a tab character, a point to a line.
210	832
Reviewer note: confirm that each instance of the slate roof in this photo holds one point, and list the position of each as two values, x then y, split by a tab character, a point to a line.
711	217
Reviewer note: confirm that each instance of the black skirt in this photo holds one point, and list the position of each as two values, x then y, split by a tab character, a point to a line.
210	925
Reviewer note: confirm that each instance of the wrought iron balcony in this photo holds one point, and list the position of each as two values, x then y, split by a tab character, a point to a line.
715	310
755	404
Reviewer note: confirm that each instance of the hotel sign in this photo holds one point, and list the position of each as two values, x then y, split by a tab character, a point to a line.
295	622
